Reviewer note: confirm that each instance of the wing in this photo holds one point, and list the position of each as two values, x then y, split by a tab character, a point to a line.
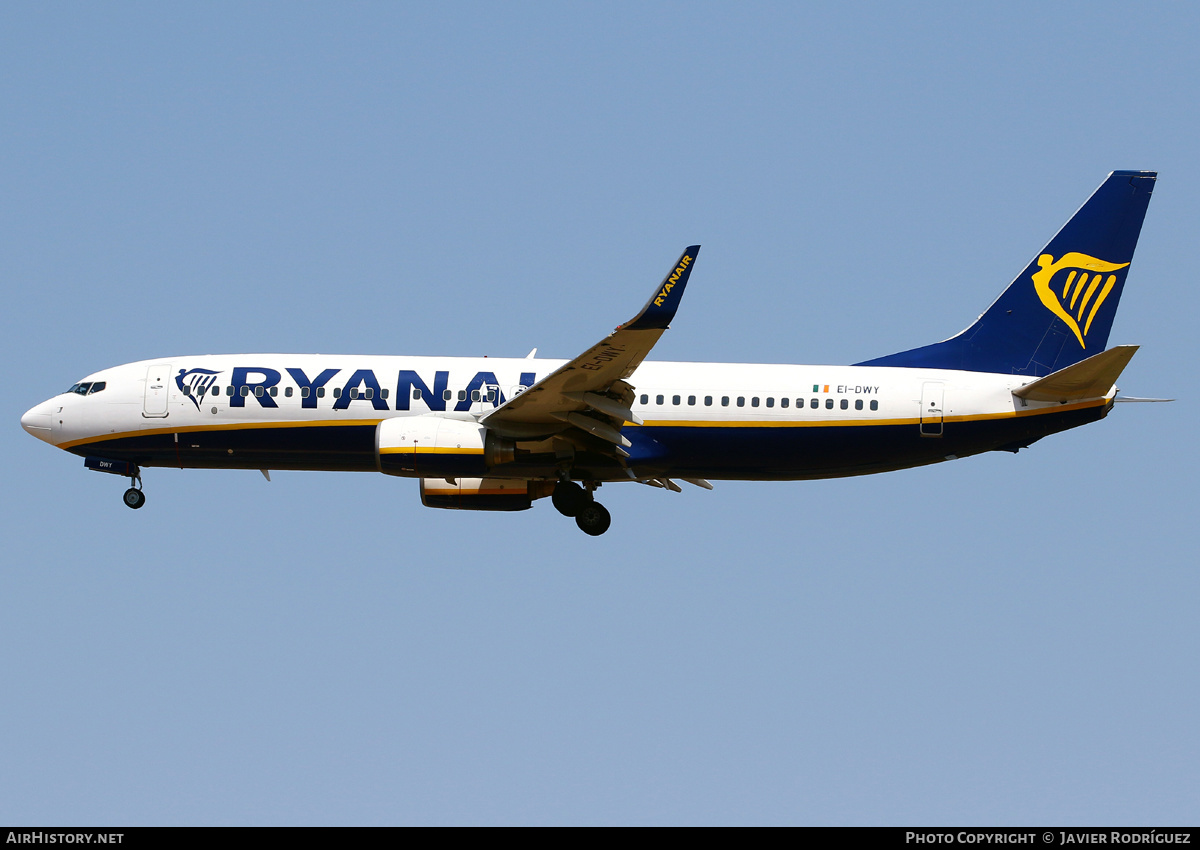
587	400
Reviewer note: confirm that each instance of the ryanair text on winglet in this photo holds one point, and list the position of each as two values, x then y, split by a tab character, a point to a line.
672	280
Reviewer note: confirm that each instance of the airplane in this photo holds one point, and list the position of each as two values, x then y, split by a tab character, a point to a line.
497	434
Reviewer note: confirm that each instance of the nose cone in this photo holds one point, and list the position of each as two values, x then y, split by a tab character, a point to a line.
37	421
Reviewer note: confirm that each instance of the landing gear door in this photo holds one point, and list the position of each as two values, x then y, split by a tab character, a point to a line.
932	396
158	383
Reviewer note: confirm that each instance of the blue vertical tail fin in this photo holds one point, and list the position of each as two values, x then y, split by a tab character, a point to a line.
1060	309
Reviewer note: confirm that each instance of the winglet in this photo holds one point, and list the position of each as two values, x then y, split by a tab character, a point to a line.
660	309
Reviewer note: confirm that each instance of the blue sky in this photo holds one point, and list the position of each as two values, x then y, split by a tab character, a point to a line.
1004	639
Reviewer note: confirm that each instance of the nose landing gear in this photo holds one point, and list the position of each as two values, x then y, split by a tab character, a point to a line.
134	497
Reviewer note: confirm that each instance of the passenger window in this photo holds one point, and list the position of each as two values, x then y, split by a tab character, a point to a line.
674	399
645	399
754	402
491	394
229	390
416	394
858	404
845	404
815	403
829	404
245	391
369	392
462	395
383	393
741	401
691	400
320	392
337	393
770	401
354	392
708	401
274	392
874	404
474	395
258	392
724	401
658	399
287	392
783	402
304	392
447	394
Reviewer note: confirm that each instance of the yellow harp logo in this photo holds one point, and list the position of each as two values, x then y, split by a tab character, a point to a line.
1070	297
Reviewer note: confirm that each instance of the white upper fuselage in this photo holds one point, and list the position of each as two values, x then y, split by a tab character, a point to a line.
672	393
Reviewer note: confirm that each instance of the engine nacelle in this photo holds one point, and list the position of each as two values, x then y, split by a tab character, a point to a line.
482	494
429	446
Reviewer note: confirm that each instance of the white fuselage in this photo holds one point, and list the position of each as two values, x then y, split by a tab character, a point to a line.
193	398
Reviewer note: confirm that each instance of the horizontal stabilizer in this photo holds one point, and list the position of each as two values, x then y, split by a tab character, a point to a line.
1090	378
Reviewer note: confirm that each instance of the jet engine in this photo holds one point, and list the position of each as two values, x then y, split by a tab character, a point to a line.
482	494
436	446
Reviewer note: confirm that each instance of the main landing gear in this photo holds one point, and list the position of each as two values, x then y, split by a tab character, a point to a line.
574	501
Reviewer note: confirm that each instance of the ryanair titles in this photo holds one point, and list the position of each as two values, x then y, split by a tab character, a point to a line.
671	280
261	384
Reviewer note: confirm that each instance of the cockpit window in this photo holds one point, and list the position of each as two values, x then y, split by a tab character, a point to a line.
87	387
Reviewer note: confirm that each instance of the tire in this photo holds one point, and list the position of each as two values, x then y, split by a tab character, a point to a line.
135	498
594	519
569	498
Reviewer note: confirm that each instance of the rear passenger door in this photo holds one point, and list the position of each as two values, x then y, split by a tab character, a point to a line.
932	394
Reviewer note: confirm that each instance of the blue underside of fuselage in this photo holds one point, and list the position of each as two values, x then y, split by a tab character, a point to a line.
711	451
